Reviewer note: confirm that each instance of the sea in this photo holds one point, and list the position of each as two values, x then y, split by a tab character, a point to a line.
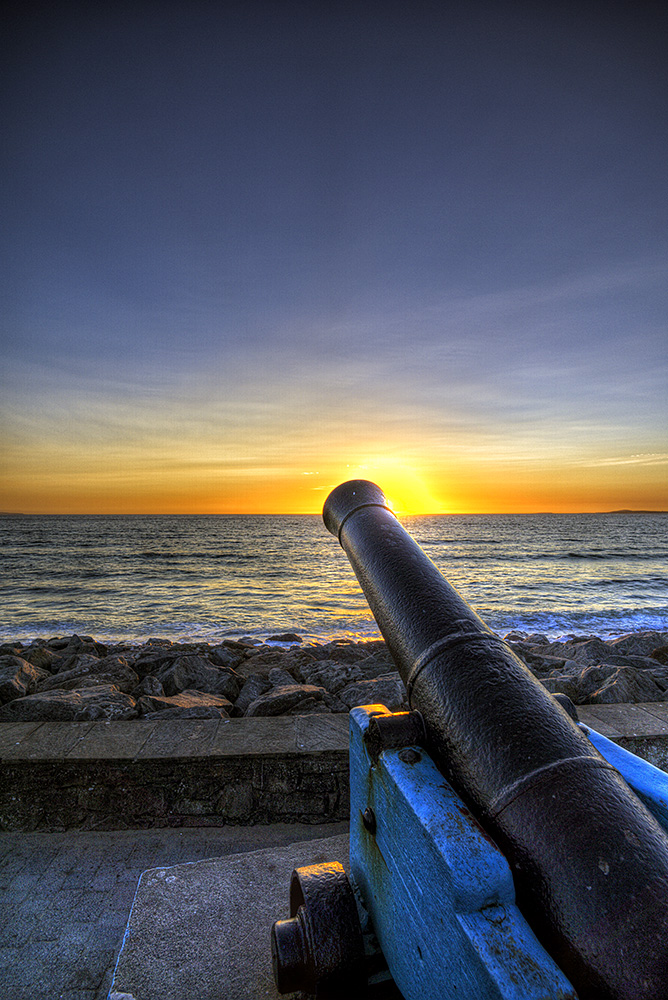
205	578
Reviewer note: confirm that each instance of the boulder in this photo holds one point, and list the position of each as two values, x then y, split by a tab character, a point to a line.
79	705
280	678
18	677
148	685
223	656
639	643
329	674
285	637
591	651
590	680
255	686
197	673
74	661
287	700
627	684
562	684
186	705
109	670
387	690
660	654
40	655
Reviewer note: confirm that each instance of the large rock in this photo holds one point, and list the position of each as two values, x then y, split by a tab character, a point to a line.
18	678
288	700
40	655
223	656
627	685
80	705
589	682
639	643
388	690
186	705
255	686
329	674
197	673
109	670
592	651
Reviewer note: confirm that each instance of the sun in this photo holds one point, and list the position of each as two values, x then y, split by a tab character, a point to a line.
405	490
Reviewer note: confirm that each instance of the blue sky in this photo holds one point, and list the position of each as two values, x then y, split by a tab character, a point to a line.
251	247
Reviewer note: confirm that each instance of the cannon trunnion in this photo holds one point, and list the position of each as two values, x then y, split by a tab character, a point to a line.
512	858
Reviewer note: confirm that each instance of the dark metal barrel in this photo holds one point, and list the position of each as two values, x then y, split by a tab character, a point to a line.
590	863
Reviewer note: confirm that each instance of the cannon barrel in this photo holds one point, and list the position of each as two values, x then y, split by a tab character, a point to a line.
590	863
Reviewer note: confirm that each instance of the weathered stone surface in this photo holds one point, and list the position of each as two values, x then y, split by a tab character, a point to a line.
280	678
74	661
223	656
186	705
140	669
387	690
590	680
108	670
329	674
284	700
148	685
639	643
563	684
255	686
79	705
627	684
18	678
197	673
39	655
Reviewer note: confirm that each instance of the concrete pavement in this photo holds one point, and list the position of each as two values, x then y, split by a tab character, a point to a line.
66	897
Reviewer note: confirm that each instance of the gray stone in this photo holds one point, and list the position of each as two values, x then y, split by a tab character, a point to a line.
590	680
74	661
377	665
563	684
329	674
39	655
148	685
387	690
109	670
18	678
79	705
222	656
195	672
627	685
255	686
186	705
284	700
639	643
592	651
280	678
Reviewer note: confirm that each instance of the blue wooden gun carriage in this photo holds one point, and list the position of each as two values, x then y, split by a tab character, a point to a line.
498	850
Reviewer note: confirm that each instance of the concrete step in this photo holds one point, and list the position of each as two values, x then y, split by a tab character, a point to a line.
203	929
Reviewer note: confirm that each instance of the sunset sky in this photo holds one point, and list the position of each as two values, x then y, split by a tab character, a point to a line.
252	251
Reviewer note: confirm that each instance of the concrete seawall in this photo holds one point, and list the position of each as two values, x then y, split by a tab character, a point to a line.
138	775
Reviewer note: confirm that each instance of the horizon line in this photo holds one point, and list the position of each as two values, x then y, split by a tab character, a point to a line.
472	513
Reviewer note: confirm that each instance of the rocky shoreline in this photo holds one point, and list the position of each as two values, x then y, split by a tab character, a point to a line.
77	678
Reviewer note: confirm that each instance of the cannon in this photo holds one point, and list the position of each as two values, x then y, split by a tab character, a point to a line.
494	851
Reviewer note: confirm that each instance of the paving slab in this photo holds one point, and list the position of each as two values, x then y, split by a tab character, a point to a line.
122	740
203	930
66	898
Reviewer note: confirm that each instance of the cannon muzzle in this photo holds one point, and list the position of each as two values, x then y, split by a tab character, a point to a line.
589	862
